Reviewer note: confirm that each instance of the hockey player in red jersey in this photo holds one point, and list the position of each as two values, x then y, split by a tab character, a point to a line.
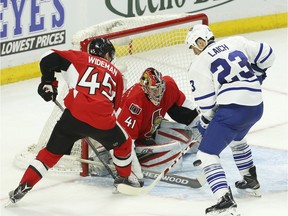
95	91
144	106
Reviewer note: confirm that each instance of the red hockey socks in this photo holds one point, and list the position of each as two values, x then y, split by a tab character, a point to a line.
38	167
122	158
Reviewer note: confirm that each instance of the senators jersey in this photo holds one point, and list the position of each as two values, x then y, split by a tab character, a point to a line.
95	86
139	116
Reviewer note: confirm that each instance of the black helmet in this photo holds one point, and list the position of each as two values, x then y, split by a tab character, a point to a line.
101	46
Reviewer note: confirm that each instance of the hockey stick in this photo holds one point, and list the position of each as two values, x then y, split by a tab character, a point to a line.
129	190
88	141
169	178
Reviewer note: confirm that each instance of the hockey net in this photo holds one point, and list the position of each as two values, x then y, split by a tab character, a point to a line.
140	42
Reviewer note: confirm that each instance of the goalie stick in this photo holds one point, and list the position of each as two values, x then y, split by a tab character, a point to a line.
169	178
129	190
91	145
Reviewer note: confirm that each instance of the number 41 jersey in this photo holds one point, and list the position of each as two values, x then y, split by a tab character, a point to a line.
222	73
95	88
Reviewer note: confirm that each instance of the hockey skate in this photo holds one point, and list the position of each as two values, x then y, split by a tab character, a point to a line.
132	180
226	206
18	193
249	185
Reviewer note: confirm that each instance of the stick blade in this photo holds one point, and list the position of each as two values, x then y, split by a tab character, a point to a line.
129	190
135	191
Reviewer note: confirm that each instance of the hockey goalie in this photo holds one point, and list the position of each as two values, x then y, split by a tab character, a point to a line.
157	141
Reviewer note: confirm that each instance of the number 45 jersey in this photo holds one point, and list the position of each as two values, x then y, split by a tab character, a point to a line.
222	73
95	88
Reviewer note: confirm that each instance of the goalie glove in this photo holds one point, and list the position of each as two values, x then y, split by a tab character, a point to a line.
48	89
259	72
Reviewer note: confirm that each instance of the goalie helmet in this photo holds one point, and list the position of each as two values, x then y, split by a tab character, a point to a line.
101	46
153	85
196	32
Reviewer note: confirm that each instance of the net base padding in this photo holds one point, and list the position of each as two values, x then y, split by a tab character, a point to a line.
67	164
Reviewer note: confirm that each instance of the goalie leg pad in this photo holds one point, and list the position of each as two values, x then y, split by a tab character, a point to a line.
156	157
136	168
173	131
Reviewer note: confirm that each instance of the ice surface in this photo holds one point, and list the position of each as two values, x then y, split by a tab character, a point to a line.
23	115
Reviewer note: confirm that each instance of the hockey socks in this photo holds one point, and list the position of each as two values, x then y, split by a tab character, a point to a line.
39	167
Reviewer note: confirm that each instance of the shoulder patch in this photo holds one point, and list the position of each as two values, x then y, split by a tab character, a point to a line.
135	109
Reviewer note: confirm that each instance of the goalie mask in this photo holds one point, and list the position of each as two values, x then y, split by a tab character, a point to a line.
196	32
101	46
153	85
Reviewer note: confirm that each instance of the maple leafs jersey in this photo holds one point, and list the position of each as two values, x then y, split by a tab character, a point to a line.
139	116
222	73
95	87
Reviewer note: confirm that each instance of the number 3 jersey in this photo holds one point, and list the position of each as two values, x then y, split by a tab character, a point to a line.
222	73
95	88
139	116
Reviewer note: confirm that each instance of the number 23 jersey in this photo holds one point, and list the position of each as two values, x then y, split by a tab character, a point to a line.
222	73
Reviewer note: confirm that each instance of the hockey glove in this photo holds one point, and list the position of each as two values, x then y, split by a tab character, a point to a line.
259	72
48	90
202	125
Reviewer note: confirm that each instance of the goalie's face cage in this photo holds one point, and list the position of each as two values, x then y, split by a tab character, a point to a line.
153	85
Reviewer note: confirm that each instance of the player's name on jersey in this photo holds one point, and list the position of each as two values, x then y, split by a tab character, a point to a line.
103	64
218	49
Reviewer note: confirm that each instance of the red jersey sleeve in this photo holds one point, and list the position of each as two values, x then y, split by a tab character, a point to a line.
173	91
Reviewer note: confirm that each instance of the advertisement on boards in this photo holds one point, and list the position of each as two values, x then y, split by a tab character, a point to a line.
28	28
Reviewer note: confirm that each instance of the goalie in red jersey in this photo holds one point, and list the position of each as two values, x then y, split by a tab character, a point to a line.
95	92
157	141
142	112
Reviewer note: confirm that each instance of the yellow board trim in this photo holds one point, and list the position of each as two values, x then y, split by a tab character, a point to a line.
253	24
21	72
220	29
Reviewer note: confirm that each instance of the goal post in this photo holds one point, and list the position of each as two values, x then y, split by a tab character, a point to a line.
147	28
140	42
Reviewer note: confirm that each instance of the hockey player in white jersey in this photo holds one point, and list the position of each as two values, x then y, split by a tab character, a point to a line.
226	78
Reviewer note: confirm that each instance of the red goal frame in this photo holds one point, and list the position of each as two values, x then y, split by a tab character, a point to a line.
84	47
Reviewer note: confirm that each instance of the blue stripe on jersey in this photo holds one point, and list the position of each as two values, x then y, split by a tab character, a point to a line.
205	96
259	53
270	52
207	107
240	88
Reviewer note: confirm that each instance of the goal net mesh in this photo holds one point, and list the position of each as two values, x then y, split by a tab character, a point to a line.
140	42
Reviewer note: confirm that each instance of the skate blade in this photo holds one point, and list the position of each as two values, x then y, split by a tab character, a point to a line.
226	212
250	192
115	191
8	204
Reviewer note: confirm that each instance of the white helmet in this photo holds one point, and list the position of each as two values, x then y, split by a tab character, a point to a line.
198	31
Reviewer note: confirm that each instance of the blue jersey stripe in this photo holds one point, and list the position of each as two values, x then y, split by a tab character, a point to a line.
259	53
270	52
239	88
205	96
